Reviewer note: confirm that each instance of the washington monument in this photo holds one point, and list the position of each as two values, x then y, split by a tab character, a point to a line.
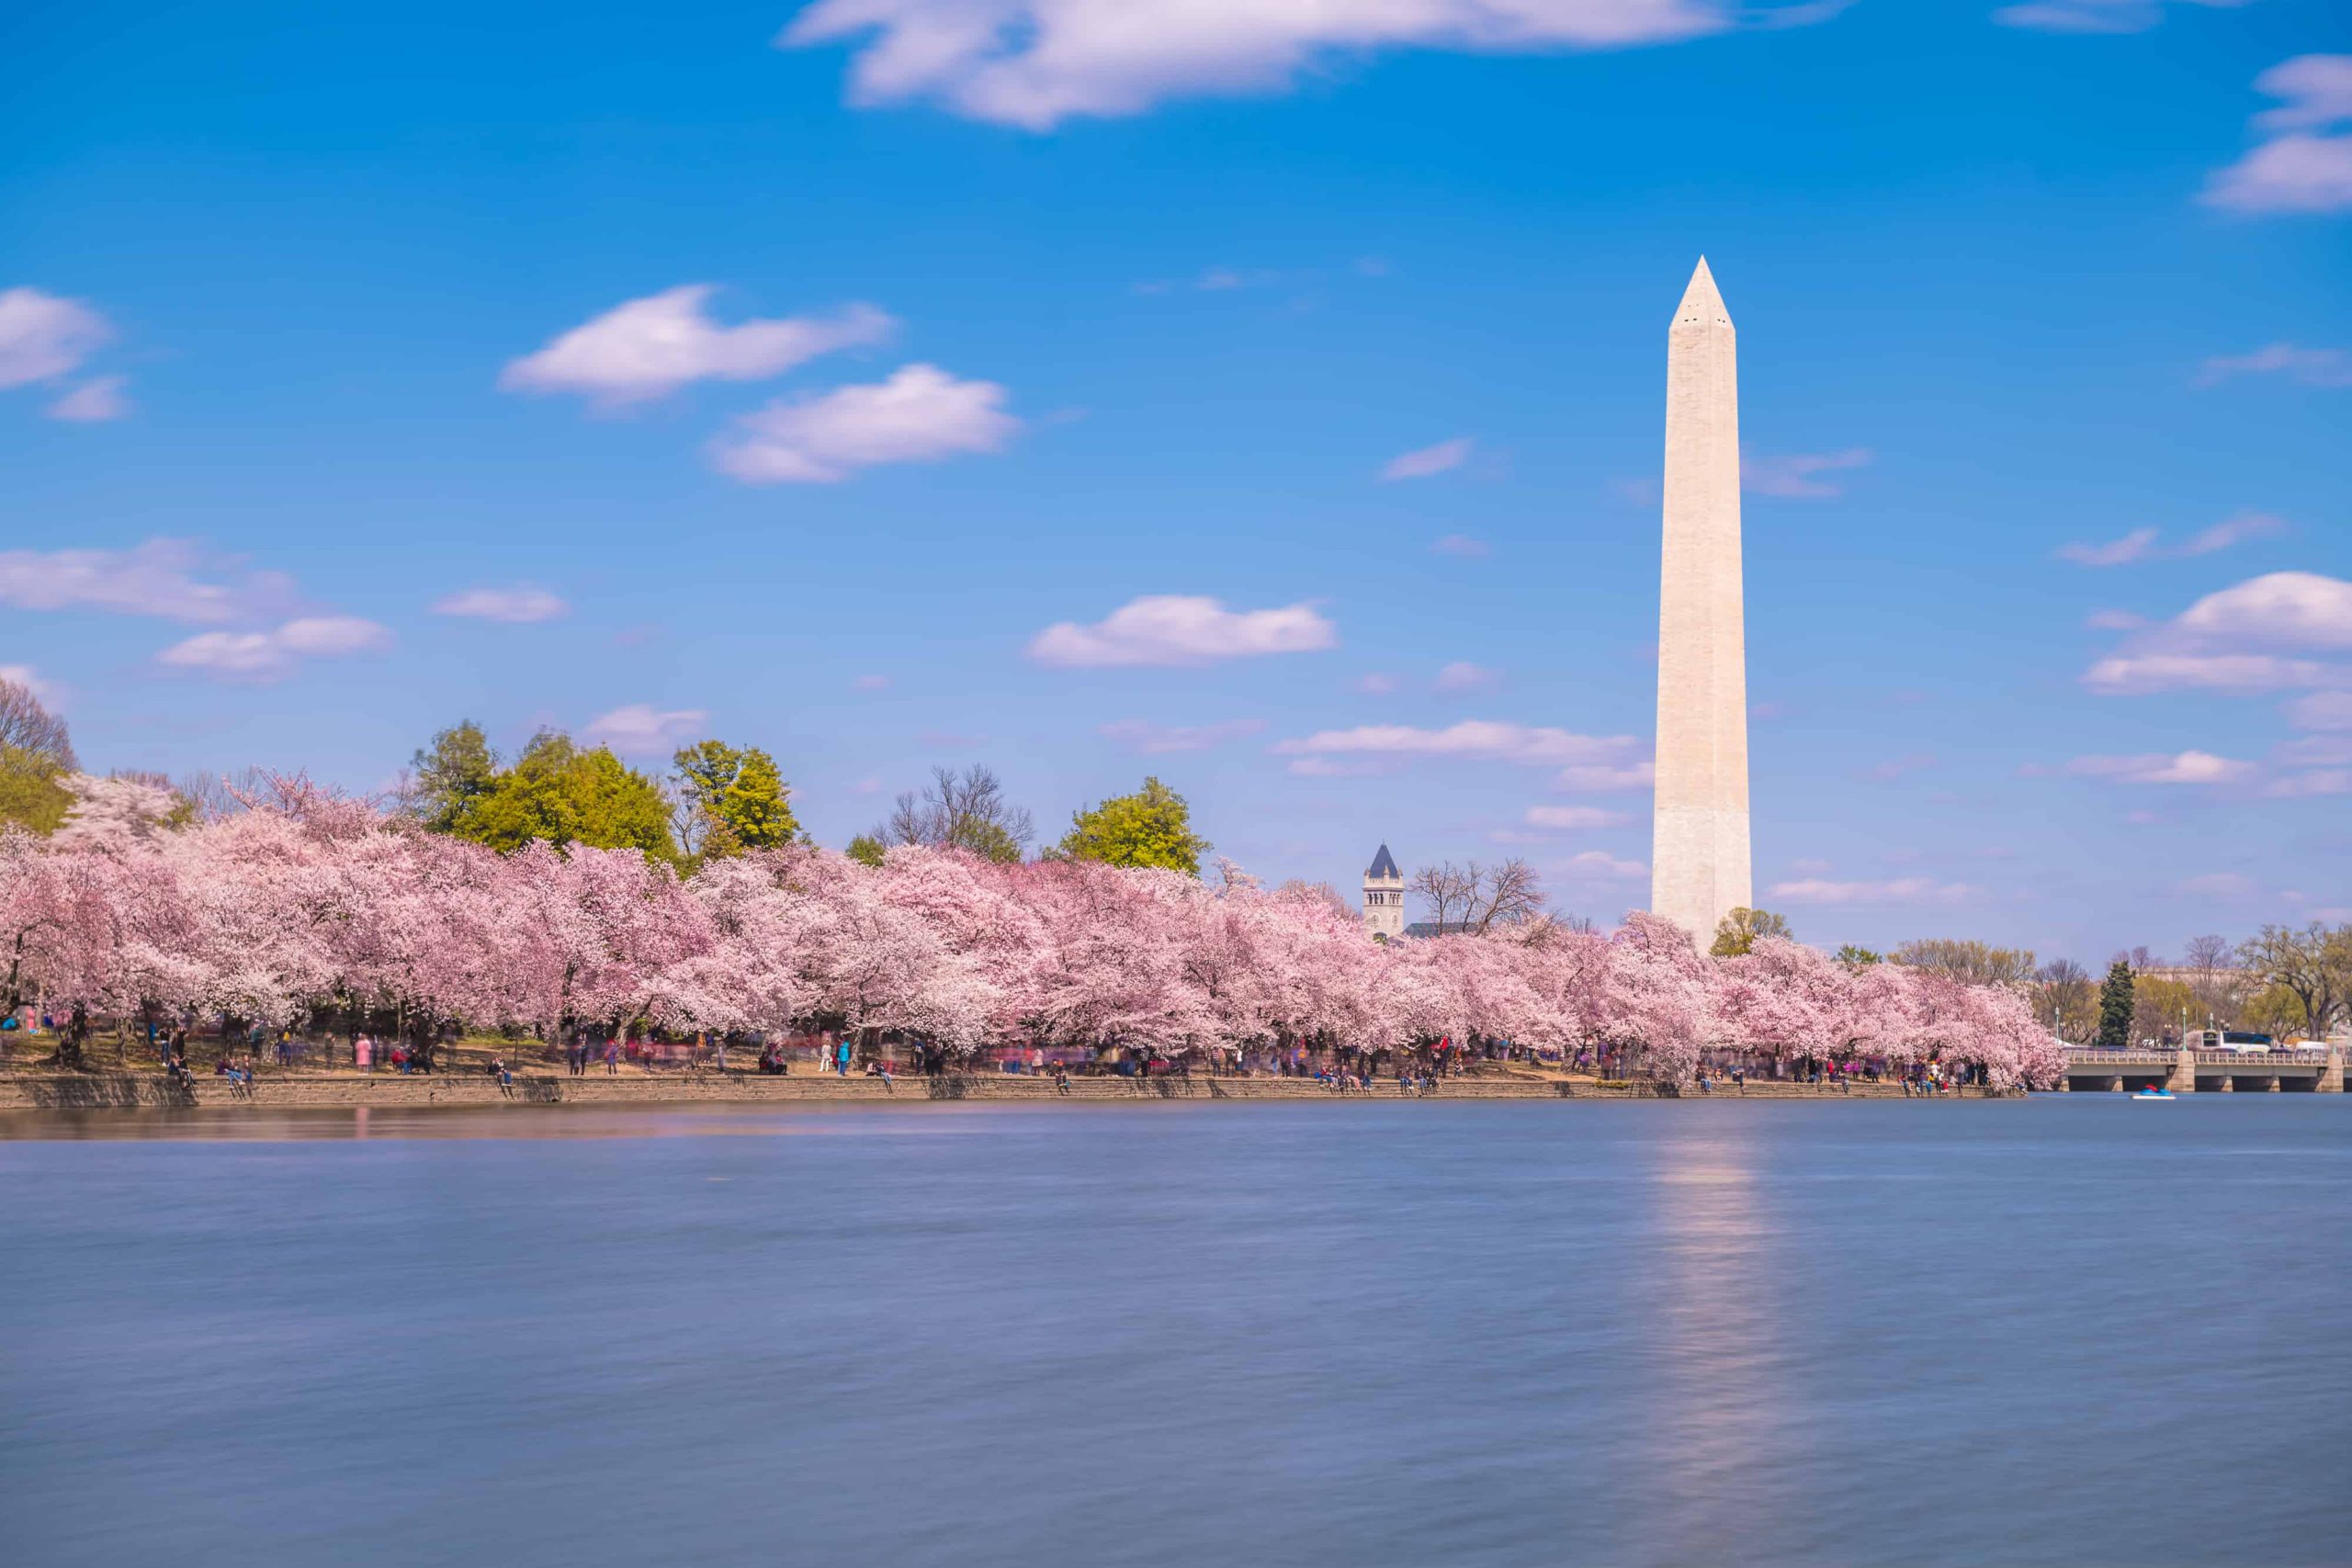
1699	847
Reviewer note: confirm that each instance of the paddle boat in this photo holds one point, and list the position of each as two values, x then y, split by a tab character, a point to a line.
2154	1094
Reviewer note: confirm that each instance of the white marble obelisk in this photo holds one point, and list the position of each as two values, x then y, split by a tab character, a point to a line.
1699	851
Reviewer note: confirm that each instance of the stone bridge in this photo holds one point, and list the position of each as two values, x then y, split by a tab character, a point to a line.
2318	1070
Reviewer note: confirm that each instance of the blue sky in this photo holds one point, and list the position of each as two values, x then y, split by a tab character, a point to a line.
1336	341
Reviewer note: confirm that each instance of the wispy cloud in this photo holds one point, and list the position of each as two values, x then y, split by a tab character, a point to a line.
1034	63
920	414
1900	890
1154	739
2159	768
1571	818
1463	676
2312	366
2092	15
639	729
2300	168
275	654
1178	629
1898	767
517	606
1461	545
2144	543
95	401
649	348
1472	739
1601	778
1798	475
43	338
2134	546
1603	866
1426	461
171	578
871	683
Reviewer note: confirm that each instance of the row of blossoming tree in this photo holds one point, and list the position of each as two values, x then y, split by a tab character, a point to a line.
308	906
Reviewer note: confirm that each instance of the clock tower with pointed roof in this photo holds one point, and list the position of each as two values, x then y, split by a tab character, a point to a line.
1384	896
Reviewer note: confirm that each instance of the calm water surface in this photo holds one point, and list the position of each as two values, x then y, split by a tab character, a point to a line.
2074	1330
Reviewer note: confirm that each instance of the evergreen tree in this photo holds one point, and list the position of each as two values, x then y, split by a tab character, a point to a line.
2115	1008
1151	827
865	850
452	776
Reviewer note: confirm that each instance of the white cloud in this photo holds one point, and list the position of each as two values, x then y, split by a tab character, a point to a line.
1901	890
1154	739
1463	676
2182	768
2134	546
1573	817
1461	545
871	683
43	338
919	416
639	729
1793	475
1473	738
1034	63
517	606
2317	89
93	402
1601	777
1595	863
2115	620
1425	461
2091	15
2298	170
2214	645
1376	684
1180	630
2291	609
271	655
2312	366
651	347
154	578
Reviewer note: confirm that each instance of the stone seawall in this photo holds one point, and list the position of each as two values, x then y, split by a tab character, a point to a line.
79	1091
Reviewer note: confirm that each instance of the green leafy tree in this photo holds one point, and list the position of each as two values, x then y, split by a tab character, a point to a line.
561	793
1858	958
36	754
865	850
451	777
1737	933
2115	1008
1151	827
731	800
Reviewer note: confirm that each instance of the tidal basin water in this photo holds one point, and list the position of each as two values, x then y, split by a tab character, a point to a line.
2074	1330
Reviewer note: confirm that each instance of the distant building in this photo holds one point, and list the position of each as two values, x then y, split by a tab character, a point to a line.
1384	896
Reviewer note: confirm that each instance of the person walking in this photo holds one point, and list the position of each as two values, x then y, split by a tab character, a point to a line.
841	1057
612	1058
363	1054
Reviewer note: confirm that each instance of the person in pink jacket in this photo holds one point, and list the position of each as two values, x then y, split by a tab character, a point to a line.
363	1054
